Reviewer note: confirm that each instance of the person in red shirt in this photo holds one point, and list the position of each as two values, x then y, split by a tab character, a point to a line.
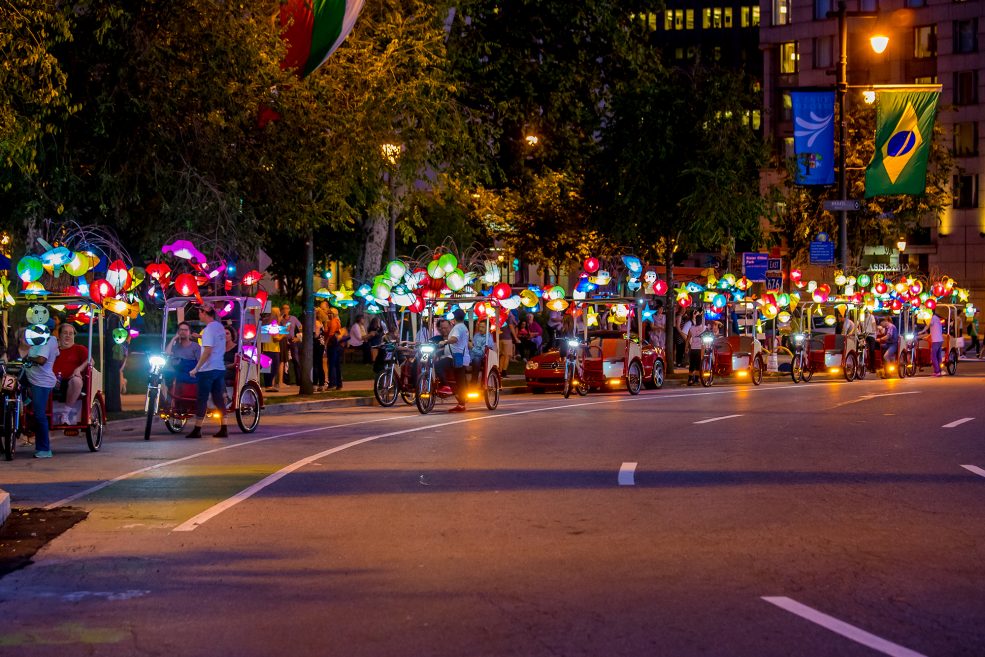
71	363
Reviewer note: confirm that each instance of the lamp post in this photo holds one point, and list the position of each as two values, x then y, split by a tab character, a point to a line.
878	43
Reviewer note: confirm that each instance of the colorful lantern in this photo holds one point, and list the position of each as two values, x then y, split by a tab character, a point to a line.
252	277
56	257
37	334
120	335
30	269
101	289
185	250
660	287
118	275
37	314
186	285
591	265
503	291
864	280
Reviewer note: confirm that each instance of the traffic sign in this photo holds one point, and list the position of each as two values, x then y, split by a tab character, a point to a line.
837	205
774	283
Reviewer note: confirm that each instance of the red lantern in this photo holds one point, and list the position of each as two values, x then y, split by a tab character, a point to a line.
591	265
939	289
249	331
915	302
502	291
796	275
660	287
118	275
897	304
186	285
684	301
880	287
262	298
252	277
418	304
930	304
101	289
158	271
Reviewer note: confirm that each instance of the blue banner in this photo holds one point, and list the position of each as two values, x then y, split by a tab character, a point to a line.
814	136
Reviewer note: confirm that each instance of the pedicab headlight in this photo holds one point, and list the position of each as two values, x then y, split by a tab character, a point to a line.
427	349
574	344
707	339
909	337
156	363
798	338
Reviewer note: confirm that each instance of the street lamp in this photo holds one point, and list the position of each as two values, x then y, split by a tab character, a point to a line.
878	43
901	244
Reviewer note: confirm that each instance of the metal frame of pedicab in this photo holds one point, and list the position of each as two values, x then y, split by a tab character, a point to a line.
951	350
492	382
246	382
632	354
92	400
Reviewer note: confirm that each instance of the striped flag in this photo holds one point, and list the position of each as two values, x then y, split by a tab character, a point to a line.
313	29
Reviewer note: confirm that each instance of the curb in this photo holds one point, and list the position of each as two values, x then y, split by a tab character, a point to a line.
4	506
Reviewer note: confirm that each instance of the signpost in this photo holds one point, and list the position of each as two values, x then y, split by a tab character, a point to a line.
822	250
774	275
846	205
754	266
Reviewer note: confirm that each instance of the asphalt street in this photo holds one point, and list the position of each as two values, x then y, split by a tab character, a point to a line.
818	519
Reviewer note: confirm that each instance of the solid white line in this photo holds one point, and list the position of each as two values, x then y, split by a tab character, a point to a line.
211	512
951	425
841	627
974	468
627	474
716	419
130	475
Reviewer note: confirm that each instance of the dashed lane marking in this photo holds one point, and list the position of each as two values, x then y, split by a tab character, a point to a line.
974	468
627	474
716	419
846	630
956	423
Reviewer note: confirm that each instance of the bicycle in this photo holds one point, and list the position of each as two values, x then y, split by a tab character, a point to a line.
574	374
12	375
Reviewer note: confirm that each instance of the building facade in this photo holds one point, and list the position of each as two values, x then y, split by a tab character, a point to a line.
931	42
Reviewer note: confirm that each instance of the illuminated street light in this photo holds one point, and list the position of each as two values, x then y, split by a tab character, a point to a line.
878	43
391	152
901	244
532	140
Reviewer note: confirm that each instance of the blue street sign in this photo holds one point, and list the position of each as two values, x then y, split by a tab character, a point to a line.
754	266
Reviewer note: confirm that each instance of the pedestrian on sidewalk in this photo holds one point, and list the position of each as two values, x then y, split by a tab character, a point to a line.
972	329
695	330
289	346
210	372
318	355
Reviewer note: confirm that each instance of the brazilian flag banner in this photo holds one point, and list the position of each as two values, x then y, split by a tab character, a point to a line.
904	131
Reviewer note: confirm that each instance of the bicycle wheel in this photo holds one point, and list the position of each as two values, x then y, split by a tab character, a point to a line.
385	387
708	370
492	390
757	370
425	392
568	376
9	434
849	368
797	367
151	411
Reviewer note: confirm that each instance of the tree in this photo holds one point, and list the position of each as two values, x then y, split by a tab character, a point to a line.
680	164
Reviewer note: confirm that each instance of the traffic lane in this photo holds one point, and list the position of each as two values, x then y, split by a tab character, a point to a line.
328	509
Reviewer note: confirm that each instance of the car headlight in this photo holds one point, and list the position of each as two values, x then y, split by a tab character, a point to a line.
156	363
532	365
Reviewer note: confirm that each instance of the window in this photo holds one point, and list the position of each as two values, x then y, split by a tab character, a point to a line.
966	36
706	18
788	151
913	4
966	139
924	41
689	19
716	18
753	119
824	49
727	18
925	79
781	12
965	87
786	112
965	191
668	20
678	19
755	16
788	57
652	21
821	9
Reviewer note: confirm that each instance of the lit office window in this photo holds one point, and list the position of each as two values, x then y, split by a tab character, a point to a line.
781	12
689	19
716	18
786	109
668	19
755	16
706	18
727	18
924	41
824	49
925	79
788	151
744	16
966	139
788	57
678	19
652	21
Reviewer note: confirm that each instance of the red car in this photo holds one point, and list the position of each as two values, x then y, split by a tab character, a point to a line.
605	363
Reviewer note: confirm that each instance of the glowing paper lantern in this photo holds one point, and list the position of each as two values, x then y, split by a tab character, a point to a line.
502	291
78	265
252	277
864	280
556	292
783	317
511	303
557	305
56	257
455	280
881	288
930	304
602	278
119	307
185	250
37	334
100	289
435	270
529	298
829	320
448	263
591	265
30	269
37	314
633	264
118	275
796	275
719	301
120	335
660	287
186	285
418	304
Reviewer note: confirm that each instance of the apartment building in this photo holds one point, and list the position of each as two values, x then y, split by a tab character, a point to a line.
931	41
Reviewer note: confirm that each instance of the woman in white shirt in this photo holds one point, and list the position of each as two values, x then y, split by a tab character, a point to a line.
694	333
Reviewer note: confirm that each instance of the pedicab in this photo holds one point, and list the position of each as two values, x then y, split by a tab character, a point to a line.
174	401
616	358
920	345
88	413
726	355
490	381
831	352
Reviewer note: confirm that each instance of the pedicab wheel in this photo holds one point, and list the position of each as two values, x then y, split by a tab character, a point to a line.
911	364
175	424
860	371
581	388
408	397
707	373
492	390
952	362
634	378
94	432
757	371
151	408
385	388
849	369
657	377
797	369
425	395
807	375
568	376
248	409
901	365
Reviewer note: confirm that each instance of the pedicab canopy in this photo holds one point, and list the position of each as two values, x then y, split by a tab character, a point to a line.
85	271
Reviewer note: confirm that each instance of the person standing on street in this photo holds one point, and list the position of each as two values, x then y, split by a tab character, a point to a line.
936	330
972	329
210	372
289	346
507	343
41	377
332	332
694	333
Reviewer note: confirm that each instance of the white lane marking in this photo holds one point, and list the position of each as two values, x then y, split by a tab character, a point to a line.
130	475
875	396
974	468
841	627
956	423
627	474
716	419
213	511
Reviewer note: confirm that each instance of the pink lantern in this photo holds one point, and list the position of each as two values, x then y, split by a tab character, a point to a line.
185	250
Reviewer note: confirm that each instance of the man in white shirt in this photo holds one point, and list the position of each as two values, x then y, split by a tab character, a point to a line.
210	373
41	378
458	343
936	330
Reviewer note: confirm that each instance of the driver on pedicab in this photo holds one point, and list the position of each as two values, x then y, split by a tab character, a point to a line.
457	342
888	340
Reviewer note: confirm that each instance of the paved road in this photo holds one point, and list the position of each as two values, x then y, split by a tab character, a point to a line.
821	519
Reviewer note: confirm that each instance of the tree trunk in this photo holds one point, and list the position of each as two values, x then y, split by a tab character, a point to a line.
670	311
374	240
308	321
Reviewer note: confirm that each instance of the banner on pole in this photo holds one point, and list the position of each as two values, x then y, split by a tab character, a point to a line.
904	132
814	136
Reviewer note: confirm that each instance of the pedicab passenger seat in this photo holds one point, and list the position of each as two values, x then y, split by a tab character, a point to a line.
613	349
741	345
